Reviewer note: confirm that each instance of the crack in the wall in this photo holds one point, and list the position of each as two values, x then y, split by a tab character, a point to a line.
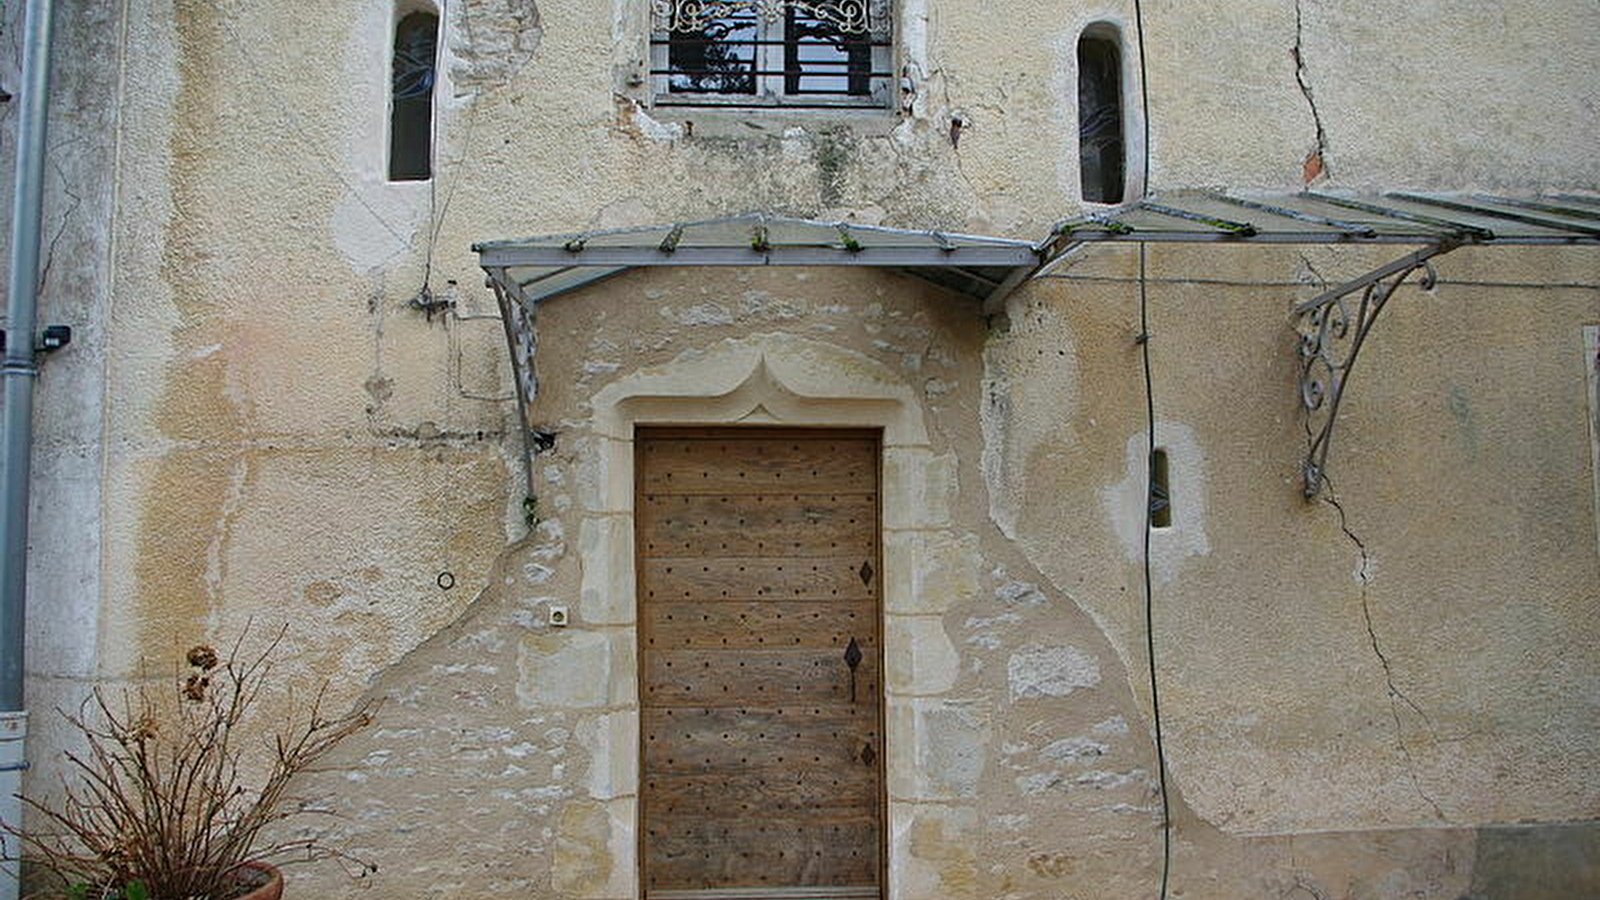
1302	882
958	123
1396	695
1315	165
75	200
1303	885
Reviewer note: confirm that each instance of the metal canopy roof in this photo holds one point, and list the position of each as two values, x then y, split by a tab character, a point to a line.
1324	218
1330	334
535	269
1333	326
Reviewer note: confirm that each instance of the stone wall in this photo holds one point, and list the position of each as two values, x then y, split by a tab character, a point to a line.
257	423
1322	735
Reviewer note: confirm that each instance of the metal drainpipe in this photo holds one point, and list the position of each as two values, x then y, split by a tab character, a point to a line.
16	428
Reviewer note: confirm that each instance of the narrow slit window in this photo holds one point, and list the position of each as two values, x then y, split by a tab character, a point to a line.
1160	491
416	45
1101	148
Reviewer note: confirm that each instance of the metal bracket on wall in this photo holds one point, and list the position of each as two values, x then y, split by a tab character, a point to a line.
518	316
47	341
1330	338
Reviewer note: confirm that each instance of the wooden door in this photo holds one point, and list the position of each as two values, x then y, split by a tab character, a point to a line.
760	663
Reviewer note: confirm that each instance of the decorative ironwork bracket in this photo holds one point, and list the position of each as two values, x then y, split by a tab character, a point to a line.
1330	339
518	316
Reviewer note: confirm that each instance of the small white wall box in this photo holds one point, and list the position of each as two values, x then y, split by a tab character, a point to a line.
558	616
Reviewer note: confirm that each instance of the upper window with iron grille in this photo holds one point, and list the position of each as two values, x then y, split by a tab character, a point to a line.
790	53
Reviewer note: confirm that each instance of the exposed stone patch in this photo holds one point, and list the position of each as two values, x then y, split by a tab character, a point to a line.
1037	671
491	41
701	314
652	128
955	738
1116	726
1072	750
1019	592
985	630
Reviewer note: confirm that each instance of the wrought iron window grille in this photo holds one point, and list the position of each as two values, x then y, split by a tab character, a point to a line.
790	53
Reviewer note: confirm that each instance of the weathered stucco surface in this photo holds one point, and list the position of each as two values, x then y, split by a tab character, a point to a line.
1391	697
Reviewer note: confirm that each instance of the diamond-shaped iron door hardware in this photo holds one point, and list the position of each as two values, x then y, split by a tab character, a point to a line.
868	754
866	573
852	658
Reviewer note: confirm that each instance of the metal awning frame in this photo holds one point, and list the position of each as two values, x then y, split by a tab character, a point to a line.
953	261
977	266
1331	328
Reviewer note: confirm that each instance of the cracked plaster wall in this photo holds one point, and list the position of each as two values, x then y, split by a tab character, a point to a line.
253	422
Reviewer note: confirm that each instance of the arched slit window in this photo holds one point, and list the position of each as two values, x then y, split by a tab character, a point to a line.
416	45
1102	159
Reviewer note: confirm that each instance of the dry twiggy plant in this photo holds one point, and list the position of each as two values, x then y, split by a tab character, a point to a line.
168	800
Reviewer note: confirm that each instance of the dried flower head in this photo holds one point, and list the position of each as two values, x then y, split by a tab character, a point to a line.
194	687
203	657
143	729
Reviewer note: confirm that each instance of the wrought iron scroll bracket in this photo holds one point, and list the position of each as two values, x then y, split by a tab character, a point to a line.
518	316
1330	335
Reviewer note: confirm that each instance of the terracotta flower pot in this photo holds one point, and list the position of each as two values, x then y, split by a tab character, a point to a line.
271	890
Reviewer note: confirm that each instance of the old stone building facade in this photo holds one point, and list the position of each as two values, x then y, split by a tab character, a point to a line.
290	399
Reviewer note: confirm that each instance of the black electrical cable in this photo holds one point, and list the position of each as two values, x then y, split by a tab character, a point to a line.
1149	593
1144	94
1150	456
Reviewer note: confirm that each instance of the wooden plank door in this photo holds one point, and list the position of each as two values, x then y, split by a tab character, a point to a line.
760	663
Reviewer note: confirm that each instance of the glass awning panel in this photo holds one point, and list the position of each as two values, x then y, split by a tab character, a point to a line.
1328	217
541	267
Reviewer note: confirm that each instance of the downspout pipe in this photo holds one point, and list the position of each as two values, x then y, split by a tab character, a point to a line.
18	371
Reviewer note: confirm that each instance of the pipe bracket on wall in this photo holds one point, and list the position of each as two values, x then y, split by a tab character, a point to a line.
1330	335
51	339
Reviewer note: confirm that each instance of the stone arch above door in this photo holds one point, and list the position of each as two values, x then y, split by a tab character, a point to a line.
765	378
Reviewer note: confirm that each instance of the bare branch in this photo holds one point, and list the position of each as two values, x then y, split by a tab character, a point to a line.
161	793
